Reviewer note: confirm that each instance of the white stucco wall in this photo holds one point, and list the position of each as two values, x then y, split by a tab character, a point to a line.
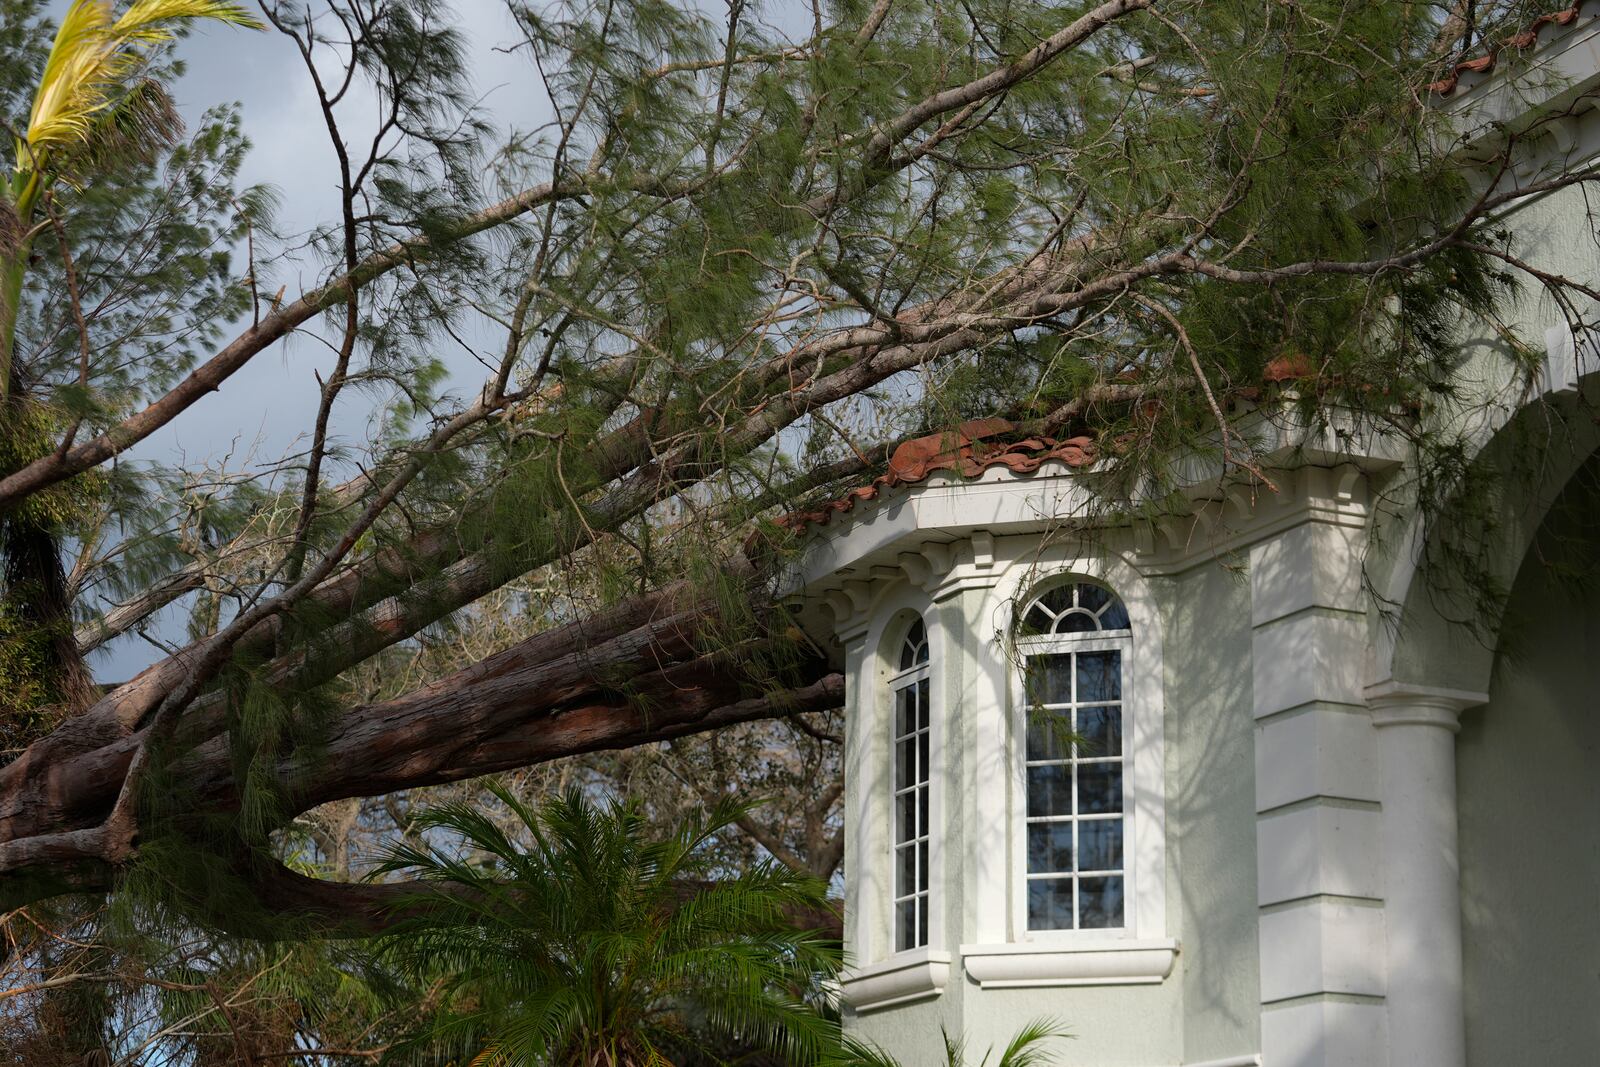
1208	1008
1211	809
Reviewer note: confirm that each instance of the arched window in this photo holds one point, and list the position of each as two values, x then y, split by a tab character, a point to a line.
909	686
1074	641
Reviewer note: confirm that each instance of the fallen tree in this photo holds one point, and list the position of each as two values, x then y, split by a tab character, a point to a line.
733	269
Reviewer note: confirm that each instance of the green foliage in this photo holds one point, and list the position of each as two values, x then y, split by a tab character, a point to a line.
1027	1048
604	941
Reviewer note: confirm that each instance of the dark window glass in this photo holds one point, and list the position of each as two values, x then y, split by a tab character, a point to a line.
907	803
908	865
1037	621
1100	731
1050	904
1115	617
1049	847
911	790
1049	735
1099	788
1077	622
1099	903
1099	676
907	760
1050	790
1049	679
1100	845
1073	747
1092	597
905	925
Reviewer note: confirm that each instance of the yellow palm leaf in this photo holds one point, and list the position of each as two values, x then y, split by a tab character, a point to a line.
92	54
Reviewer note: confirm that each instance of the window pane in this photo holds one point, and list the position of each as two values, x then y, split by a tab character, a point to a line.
1100	731
1114	617
1099	676
1049	791
1049	735
1099	788
1092	597
907	816
905	717
1100	845
914	650
922	810
1057	599
922	705
1049	847
1099	903
906	762
922	754
1050	904
1049	680
922	867
1036	621
1076	622
905	925
922	920
906	878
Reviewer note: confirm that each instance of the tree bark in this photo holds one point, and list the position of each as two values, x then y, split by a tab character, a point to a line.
555	694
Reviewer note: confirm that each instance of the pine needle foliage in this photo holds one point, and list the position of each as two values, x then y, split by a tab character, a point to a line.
603	942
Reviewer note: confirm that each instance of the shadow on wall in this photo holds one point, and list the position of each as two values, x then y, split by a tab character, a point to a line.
1528	771
1210	778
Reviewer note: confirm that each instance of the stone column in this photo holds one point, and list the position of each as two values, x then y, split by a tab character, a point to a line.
1421	870
1321	918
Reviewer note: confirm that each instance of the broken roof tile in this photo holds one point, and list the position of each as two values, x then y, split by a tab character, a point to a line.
970	449
1519	42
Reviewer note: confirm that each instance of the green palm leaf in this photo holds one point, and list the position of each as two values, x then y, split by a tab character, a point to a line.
578	933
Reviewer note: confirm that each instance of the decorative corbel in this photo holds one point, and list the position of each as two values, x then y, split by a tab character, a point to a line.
982	550
917	568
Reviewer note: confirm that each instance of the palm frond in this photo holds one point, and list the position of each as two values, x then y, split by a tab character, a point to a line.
1026	1048
94	53
577	929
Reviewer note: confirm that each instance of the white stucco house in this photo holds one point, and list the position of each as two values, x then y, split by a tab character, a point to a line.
1311	819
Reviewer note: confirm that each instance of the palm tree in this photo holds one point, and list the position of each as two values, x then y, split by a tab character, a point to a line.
96	108
602	942
1026	1049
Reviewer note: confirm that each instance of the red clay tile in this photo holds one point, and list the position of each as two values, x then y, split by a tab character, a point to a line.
969	450
1521	41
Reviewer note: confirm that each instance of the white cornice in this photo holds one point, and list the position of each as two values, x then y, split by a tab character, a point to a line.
915	975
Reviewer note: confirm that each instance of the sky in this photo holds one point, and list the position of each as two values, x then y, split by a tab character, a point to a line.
264	409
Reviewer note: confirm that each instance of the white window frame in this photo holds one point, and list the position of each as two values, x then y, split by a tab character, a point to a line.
1144	847
879	976
918	676
1060	644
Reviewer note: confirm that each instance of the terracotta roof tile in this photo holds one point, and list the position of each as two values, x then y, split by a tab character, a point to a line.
1520	42
968	450
1288	368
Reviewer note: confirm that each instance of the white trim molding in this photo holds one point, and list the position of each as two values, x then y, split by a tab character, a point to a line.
916	975
1122	961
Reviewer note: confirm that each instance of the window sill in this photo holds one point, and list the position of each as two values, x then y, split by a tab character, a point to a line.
1109	962
915	975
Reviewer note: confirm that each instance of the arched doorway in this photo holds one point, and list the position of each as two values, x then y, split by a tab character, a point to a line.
1528	788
